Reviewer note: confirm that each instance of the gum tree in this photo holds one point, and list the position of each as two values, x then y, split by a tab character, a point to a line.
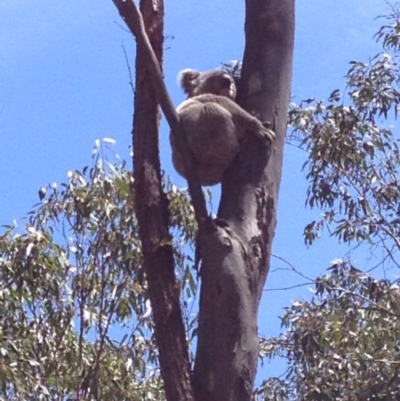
236	247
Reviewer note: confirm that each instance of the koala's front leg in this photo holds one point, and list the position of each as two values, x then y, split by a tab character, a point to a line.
244	121
263	130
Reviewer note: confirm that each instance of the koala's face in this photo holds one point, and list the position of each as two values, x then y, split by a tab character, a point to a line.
216	82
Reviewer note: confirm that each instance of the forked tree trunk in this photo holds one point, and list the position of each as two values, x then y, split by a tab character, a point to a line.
236	249
236	256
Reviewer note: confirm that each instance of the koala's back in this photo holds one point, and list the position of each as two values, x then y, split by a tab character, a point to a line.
210	131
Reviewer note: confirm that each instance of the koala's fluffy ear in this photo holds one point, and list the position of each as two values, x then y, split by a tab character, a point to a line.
188	80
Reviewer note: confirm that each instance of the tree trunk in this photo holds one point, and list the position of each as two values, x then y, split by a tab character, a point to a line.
153	215
236	248
236	255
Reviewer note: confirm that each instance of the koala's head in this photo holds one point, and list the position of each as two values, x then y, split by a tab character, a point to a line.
216	82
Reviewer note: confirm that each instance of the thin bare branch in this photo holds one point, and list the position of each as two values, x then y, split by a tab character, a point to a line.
133	19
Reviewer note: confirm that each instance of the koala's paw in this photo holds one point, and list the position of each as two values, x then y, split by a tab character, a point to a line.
267	124
266	134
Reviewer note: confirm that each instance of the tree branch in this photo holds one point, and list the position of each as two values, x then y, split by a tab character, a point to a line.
151	204
131	15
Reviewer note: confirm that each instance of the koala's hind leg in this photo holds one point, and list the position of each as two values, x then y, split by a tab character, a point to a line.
211	134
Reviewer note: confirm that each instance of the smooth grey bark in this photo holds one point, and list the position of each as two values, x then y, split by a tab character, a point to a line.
236	251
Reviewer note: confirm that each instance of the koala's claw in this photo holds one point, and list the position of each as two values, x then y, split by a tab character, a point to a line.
268	126
271	134
266	134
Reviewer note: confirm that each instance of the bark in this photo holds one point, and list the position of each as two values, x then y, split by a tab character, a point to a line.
152	209
236	255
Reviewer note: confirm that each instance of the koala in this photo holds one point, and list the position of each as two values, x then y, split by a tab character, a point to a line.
214	124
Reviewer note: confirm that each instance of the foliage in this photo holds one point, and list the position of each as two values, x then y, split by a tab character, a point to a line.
353	163
75	321
343	344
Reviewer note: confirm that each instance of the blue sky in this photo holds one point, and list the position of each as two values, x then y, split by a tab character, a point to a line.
64	82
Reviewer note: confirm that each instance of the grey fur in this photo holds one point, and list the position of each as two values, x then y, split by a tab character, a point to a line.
214	124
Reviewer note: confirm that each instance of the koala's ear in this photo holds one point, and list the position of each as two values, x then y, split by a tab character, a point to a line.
187	79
